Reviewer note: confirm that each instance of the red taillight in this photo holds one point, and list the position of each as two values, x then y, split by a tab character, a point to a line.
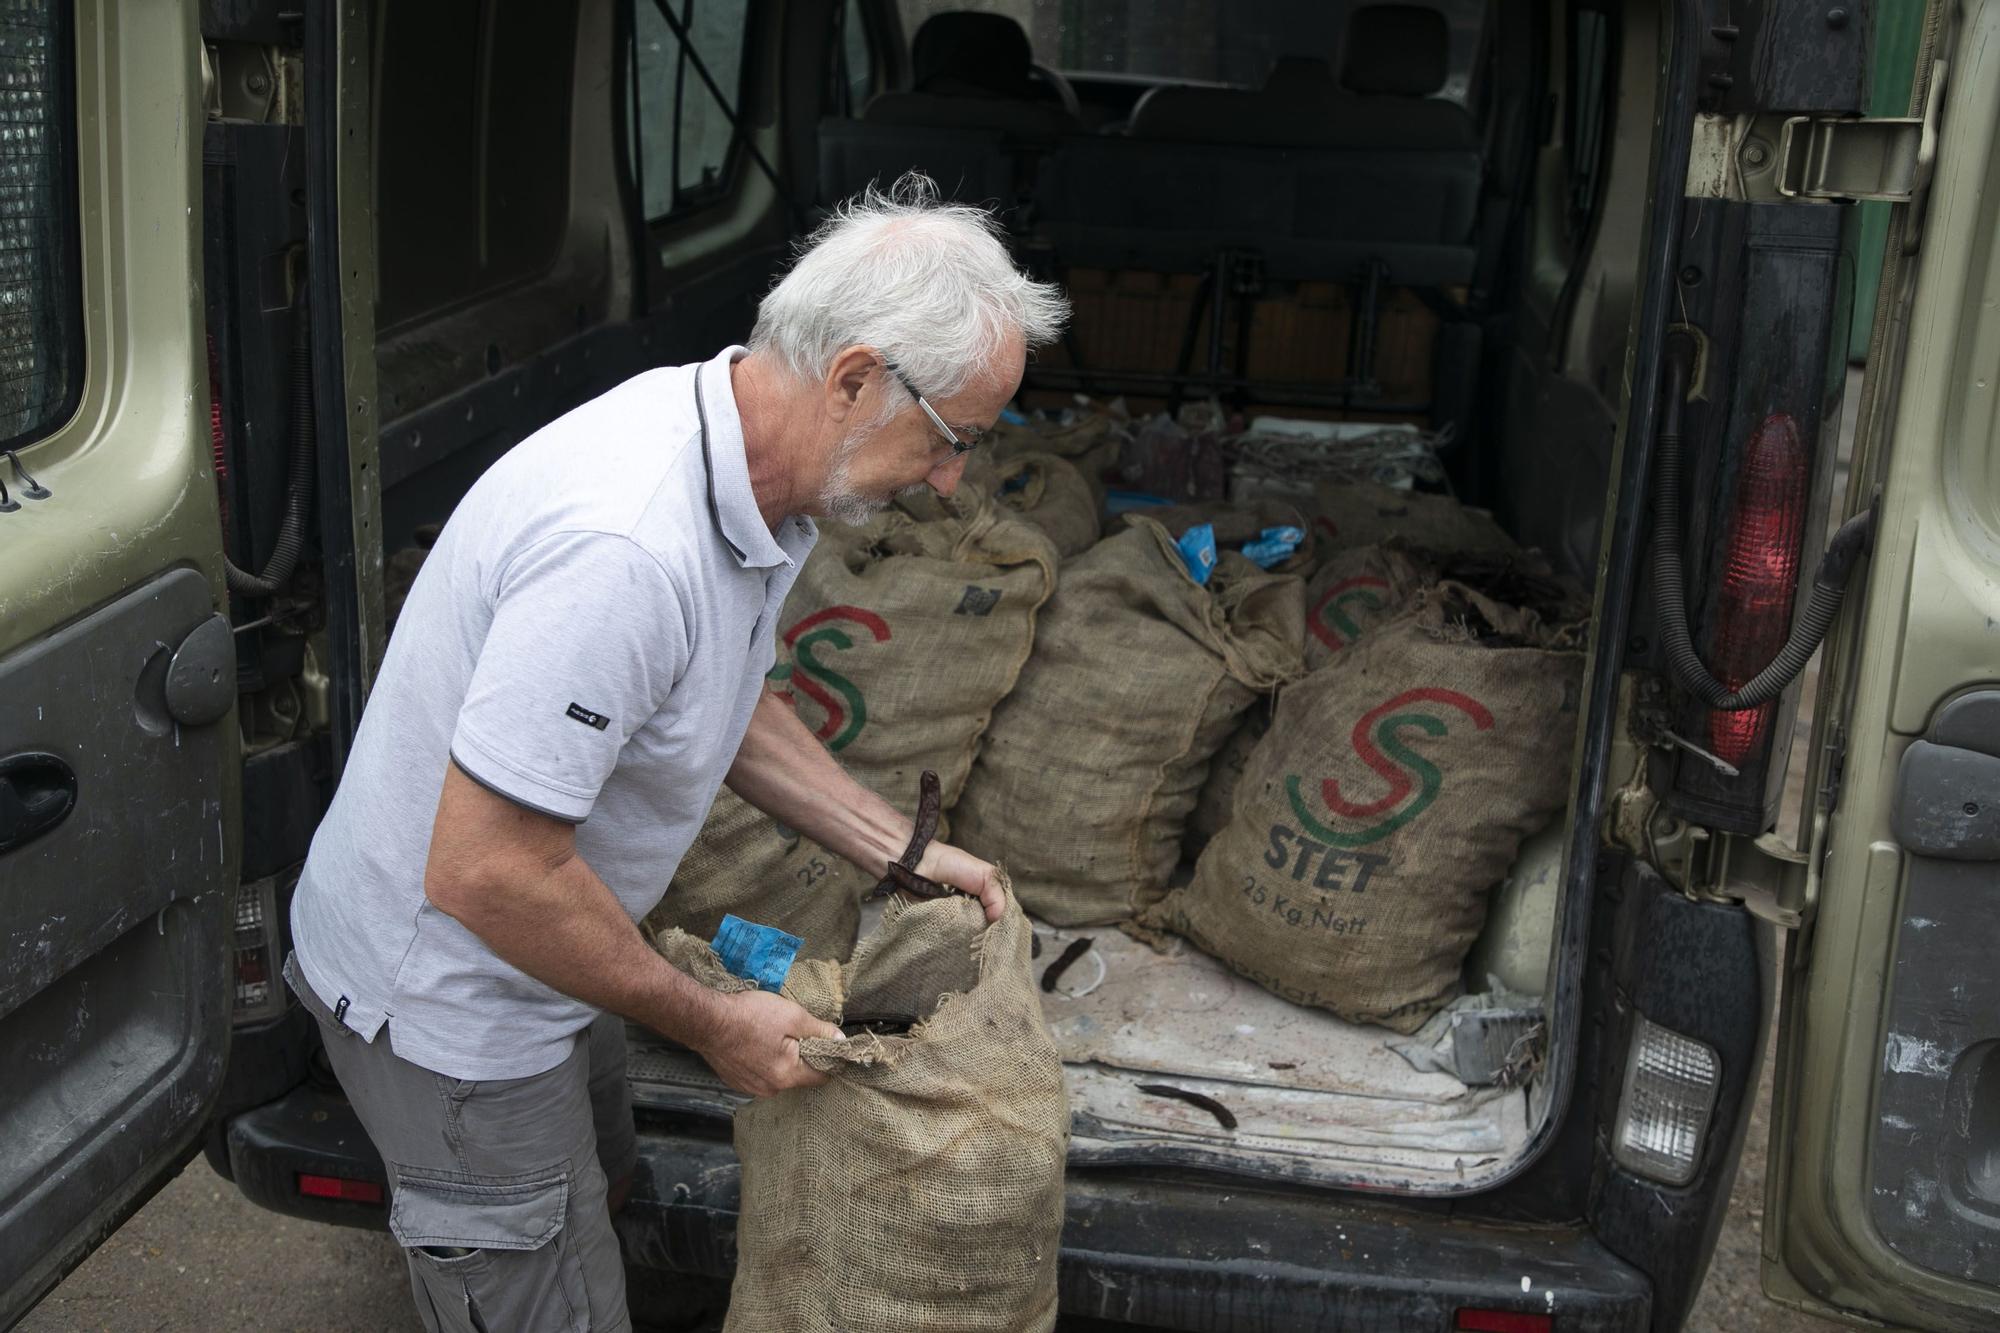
1760	573
340	1187
1503	1321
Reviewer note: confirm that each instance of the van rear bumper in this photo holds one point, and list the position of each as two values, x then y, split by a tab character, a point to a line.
1139	1248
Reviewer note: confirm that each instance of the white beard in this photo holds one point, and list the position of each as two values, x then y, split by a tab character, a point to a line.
838	500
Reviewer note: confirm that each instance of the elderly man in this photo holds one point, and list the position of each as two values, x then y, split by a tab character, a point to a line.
578	668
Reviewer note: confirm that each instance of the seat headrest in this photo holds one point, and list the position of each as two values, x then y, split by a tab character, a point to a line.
1400	49
1298	74
986	52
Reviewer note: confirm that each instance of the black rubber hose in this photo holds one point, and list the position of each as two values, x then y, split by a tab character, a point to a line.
299	481
1670	590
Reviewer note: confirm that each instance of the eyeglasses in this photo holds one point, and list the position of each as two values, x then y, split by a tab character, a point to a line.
959	444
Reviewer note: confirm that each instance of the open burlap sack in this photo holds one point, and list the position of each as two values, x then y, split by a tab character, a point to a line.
921	1186
1354	591
1047	490
1393	790
1350	514
1092	765
897	641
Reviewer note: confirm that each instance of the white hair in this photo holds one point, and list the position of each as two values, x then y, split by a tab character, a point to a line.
928	284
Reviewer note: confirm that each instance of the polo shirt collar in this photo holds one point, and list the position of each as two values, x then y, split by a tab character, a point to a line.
731	500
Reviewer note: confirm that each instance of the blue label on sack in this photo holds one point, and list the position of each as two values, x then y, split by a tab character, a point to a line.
1197	547
762	954
1274	546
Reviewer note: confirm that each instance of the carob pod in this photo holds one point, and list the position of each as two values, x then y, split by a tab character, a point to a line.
903	874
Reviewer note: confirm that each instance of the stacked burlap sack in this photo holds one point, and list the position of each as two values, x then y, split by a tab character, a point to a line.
898	640
1092	765
1392	790
1046	489
1088	435
921	1187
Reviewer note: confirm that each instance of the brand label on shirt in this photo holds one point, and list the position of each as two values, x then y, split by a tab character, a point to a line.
588	718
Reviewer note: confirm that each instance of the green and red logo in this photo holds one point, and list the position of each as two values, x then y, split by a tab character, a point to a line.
1414	781
1331	619
837	628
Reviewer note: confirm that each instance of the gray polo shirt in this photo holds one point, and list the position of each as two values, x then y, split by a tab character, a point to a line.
587	638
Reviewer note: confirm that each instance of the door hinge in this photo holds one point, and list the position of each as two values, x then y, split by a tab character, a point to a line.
1765	875
1771	158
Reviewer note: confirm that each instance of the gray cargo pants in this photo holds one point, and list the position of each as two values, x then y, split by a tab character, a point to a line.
499	1184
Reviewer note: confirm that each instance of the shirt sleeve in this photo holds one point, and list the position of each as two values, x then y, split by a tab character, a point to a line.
587	641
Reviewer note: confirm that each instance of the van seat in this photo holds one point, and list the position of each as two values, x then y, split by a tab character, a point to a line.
970	120
974	71
1309	213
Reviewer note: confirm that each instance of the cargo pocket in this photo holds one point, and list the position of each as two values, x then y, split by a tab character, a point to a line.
489	1253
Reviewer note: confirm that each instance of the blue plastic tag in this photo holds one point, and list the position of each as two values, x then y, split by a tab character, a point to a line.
1012	418
1274	546
762	954
1197	547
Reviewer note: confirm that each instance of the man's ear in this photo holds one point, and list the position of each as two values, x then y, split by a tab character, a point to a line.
848	378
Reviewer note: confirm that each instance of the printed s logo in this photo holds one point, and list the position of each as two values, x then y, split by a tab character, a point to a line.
847	713
1378	742
1330	619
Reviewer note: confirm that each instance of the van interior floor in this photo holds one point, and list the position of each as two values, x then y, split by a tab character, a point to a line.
1312	1097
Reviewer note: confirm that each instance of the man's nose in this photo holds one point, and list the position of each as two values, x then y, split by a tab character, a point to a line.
944	478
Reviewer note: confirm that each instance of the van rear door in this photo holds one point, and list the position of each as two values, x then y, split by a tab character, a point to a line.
118	750
1883	1198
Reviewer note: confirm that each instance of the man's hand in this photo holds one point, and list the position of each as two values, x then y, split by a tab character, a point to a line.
962	870
756	1050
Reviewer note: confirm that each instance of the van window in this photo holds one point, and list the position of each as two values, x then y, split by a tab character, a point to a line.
684	139
1586	114
1198	41
857	64
41	306
472	150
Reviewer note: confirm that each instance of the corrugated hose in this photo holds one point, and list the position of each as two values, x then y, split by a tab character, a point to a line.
299	480
1829	588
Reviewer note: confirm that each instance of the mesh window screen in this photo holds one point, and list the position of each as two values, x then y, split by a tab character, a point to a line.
41	352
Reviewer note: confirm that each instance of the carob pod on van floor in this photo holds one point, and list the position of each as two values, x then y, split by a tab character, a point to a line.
1047	490
921	1186
898	640
1395	787
1092	765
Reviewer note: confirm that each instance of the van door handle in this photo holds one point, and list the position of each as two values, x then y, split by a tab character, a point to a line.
1948	803
37	792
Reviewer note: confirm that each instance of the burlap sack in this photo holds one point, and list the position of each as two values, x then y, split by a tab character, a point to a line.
899	638
1091	442
1353	592
1236	522
920	1187
1217	801
1046	489
1394	788
1092	765
1360	514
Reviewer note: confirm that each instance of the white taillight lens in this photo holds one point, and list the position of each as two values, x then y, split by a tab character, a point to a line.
1663	1115
260	991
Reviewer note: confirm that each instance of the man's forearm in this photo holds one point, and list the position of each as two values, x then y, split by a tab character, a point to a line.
563	926
783	770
